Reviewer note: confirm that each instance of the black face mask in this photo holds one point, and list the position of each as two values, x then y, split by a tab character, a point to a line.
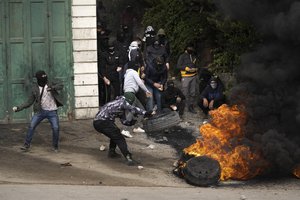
161	39
111	50
42	78
190	51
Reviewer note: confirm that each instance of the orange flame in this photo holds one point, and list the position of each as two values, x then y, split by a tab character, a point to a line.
296	171
222	140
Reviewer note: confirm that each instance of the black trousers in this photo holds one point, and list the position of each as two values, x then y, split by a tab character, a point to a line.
109	129
115	88
217	103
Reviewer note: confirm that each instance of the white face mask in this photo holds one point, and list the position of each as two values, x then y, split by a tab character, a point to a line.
213	85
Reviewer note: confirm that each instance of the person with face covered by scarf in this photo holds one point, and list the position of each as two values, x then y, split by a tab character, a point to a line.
212	96
162	38
110	69
187	64
46	99
156	74
157	50
173	98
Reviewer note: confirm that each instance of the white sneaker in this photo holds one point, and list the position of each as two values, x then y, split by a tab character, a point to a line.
138	130
126	134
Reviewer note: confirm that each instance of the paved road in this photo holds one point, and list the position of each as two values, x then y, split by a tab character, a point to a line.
68	192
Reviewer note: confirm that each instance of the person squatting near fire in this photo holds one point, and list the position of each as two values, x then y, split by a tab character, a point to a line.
46	99
173	98
104	122
188	68
212	96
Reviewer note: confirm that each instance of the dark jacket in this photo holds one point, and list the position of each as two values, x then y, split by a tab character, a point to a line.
170	95
186	60
153	52
109	64
34	97
213	94
153	75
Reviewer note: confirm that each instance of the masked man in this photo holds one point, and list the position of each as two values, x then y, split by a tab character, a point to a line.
156	76
212	96
188	68
104	122
173	98
110	70
46	100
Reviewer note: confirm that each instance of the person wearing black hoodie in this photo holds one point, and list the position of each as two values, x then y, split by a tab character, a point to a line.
46	99
173	98
212	96
156	74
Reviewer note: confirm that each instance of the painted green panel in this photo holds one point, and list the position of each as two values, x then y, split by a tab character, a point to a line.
39	56
16	22
19	96
2	105
2	64
35	34
17	61
58	19
38	19
59	59
1	21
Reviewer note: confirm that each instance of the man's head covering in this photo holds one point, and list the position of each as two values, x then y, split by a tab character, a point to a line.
149	29
170	83
161	32
134	45
41	77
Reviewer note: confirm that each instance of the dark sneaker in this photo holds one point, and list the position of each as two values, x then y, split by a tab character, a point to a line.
25	147
130	161
192	110
113	154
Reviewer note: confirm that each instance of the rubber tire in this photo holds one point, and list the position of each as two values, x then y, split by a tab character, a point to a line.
202	171
161	121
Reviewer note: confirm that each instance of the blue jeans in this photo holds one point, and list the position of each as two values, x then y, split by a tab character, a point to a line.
150	101
36	120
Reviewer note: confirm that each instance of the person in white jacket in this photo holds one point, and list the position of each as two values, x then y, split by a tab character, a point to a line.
132	84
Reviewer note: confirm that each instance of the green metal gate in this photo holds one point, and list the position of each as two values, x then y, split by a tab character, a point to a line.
34	34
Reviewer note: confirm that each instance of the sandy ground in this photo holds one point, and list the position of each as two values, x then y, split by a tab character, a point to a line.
79	147
80	161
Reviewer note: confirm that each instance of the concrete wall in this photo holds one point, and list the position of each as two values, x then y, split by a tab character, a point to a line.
84	25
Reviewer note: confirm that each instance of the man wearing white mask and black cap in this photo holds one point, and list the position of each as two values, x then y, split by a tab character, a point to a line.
212	96
45	99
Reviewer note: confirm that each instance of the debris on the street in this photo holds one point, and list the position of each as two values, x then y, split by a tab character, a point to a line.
165	139
243	197
175	164
140	167
102	148
67	164
151	146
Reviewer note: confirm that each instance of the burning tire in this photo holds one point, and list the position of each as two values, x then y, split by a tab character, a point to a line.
202	171
161	121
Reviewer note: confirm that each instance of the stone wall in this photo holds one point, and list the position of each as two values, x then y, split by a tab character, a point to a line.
85	58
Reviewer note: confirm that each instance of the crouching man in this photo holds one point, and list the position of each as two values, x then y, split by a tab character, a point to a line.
104	122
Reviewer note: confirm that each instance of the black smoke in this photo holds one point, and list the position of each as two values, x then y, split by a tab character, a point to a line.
269	78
